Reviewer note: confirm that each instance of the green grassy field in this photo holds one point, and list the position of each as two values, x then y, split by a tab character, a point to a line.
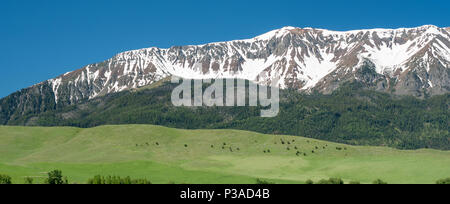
132	150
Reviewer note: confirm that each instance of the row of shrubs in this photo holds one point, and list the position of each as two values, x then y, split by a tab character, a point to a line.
116	180
56	177
340	181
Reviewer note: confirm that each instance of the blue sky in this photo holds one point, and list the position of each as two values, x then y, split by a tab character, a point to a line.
41	39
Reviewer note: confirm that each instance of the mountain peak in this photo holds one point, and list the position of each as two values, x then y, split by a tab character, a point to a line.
288	28
275	33
424	27
429	29
428	26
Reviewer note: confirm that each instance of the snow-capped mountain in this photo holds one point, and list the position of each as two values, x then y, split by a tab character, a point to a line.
410	61
405	61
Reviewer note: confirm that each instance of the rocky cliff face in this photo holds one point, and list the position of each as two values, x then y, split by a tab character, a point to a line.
35	100
407	61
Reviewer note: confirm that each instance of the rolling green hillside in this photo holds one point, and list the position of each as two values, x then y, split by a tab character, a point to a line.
351	115
165	155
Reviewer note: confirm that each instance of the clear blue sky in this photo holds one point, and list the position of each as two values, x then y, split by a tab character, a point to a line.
41	39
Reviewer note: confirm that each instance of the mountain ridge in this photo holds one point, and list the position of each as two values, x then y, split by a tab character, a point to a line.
301	66
405	61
